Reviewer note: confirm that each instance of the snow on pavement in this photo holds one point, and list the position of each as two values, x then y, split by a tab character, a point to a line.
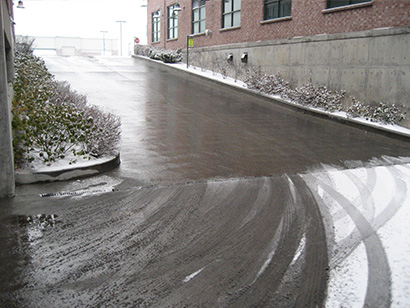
381	194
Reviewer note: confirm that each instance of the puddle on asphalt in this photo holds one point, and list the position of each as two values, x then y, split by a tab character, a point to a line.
36	225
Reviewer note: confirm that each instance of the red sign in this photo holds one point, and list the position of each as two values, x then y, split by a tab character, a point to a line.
137	40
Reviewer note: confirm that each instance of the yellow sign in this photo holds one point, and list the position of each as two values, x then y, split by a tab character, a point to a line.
190	42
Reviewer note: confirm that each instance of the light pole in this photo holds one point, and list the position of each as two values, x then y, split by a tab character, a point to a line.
103	32
121	22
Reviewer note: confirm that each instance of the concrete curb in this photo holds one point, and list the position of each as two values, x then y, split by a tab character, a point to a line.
355	122
69	173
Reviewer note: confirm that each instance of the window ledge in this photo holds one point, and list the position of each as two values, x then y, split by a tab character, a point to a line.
269	21
229	29
198	34
173	39
347	7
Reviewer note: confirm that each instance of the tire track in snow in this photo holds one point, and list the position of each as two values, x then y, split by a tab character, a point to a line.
399	196
315	251
378	290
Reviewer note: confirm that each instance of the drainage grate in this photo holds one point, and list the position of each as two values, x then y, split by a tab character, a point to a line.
77	193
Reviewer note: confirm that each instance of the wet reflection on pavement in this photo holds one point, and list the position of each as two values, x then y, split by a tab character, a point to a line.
180	127
214	204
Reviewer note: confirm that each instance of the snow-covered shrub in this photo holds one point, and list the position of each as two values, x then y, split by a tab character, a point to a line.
62	93
57	130
317	96
167	56
268	84
382	113
170	56
154	54
24	44
142	50
222	67
359	109
41	126
105	133
103	128
311	95
31	92
50	120
196	60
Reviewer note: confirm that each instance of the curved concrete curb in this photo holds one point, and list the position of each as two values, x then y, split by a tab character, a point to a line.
67	173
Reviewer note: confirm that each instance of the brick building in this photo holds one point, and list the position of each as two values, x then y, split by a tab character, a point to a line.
361	46
237	21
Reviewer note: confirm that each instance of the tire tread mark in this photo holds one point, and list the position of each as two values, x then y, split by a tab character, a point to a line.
378	289
315	274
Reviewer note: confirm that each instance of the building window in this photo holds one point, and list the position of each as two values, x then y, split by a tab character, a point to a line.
198	16
156	29
172	23
277	9
231	13
337	3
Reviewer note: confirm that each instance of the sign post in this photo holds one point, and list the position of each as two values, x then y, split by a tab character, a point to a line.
189	44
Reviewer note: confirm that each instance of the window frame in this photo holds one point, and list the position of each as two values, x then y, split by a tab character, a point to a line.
156	26
172	30
281	6
231	13
329	4
201	9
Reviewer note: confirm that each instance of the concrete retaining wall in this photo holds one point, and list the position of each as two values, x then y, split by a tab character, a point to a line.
6	77
370	65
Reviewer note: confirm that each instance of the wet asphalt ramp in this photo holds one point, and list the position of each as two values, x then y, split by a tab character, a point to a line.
179	127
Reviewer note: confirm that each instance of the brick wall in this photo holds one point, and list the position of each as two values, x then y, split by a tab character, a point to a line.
309	17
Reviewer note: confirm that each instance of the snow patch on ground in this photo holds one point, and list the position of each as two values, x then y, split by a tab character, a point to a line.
395	236
384	189
300	249
68	163
190	277
387	190
348	281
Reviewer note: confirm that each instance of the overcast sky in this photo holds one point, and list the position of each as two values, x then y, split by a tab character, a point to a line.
82	18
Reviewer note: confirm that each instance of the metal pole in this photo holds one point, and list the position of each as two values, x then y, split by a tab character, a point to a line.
189	36
187	51
121	22
103	32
